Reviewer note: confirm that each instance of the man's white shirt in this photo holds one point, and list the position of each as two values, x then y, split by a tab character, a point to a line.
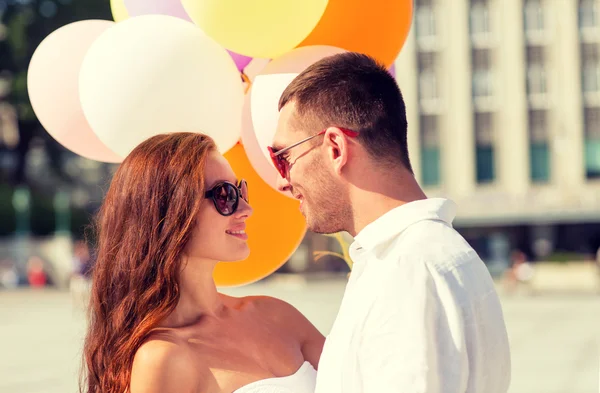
420	313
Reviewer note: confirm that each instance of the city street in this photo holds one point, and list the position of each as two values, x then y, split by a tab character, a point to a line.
554	338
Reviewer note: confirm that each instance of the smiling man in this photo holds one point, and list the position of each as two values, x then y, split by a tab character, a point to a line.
420	312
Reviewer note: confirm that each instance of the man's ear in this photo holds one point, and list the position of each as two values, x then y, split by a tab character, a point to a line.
337	147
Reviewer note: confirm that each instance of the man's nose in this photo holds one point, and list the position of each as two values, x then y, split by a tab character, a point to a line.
283	184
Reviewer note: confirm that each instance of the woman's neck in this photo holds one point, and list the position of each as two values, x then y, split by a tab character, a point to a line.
198	296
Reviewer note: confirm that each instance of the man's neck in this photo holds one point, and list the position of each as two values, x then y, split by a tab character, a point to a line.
374	195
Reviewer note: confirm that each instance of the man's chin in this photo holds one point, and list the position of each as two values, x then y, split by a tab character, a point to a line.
315	224
319	228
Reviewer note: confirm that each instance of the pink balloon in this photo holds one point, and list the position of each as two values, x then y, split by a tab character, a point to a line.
393	70
240	61
53	86
156	7
298	59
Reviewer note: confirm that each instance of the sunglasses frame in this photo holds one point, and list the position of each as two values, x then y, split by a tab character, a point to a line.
210	194
277	160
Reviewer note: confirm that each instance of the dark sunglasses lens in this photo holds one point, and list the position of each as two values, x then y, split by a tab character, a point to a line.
226	198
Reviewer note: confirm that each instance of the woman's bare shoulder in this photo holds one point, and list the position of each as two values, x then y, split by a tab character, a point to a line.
273	306
291	319
163	364
281	311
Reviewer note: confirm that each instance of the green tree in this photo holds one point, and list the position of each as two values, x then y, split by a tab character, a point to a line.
25	23
23	26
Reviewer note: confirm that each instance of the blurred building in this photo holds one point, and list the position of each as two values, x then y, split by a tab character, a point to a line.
504	118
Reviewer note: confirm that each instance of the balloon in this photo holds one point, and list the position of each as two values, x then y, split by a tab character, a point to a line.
299	59
259	28
118	10
171	8
393	70
255	67
155	74
256	154
156	7
275	229
53	86
240	61
264	100
378	28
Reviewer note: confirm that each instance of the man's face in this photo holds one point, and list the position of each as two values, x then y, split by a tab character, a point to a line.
310	177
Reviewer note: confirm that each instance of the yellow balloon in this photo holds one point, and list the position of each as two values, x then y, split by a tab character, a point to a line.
119	12
259	28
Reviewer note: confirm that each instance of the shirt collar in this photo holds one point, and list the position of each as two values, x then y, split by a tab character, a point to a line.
398	219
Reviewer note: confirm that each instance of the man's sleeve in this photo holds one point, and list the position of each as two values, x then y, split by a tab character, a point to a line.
413	337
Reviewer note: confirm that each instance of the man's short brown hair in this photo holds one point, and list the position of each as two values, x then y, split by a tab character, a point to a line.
353	91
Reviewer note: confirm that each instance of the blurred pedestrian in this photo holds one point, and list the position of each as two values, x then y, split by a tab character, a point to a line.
79	284
9	277
36	274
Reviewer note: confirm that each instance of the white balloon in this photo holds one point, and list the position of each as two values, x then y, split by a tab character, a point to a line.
157	74
261	163
265	94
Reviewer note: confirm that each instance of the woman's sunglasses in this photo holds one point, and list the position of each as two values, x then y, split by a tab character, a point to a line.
282	165
226	196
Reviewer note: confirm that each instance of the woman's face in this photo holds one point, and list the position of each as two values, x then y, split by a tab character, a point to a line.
217	237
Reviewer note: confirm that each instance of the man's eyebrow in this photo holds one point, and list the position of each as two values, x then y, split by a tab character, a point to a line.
277	146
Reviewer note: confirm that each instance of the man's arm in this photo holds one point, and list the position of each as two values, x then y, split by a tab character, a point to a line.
413	339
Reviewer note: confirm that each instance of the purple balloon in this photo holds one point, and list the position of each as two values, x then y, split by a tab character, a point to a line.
156	7
392	70
241	61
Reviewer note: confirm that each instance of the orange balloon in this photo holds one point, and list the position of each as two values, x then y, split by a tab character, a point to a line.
275	229
377	28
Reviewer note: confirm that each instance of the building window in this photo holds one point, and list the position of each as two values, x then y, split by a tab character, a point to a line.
536	71
479	18
425	20
592	142
588	14
428	88
483	84
534	16
484	141
539	150
430	150
590	62
428	85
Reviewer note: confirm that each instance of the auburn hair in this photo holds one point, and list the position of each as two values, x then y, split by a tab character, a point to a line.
142	228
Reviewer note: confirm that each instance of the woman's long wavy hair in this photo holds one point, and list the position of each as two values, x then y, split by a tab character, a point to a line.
142	229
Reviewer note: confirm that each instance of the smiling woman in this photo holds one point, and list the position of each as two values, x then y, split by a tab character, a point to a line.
173	211
144	226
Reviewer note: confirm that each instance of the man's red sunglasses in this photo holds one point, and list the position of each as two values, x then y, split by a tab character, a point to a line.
282	165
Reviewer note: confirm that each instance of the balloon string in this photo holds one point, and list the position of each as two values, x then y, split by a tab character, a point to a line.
345	249
247	81
345	255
